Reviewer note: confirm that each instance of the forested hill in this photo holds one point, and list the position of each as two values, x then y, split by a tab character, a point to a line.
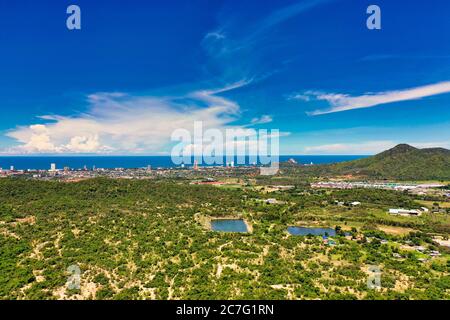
401	162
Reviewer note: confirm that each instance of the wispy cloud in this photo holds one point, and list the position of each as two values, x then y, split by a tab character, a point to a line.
215	35
343	102
367	147
120	123
262	120
380	57
245	34
286	13
237	47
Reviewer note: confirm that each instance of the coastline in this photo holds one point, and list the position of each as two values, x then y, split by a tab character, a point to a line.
36	162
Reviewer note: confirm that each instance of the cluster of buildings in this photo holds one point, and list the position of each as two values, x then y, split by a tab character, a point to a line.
343	203
445	242
420	249
10	172
75	174
417	189
68	174
271	201
276	188
373	185
408	212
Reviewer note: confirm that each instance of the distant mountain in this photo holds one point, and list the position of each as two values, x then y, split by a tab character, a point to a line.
401	162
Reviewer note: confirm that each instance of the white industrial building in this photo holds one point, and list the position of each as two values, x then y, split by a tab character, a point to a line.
405	212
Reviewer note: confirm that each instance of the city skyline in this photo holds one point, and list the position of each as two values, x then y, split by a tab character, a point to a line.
311	69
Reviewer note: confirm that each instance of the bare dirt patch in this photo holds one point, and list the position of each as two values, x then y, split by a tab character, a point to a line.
398	231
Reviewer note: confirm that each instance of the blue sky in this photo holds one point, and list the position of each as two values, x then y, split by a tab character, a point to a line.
137	71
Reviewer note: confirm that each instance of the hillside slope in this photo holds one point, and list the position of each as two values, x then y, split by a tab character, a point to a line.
401	162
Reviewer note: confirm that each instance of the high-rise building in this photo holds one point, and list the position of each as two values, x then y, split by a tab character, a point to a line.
11	168
53	167
195	165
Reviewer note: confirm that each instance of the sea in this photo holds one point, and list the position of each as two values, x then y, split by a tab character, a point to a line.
134	162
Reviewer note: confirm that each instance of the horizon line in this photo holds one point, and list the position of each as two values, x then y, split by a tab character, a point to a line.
150	155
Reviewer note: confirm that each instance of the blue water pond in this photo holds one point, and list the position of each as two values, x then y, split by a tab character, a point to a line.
229	225
304	231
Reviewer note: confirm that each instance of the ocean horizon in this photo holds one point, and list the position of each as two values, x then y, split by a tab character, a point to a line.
131	162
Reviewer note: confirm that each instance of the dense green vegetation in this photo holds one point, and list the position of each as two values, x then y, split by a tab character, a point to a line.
401	162
142	239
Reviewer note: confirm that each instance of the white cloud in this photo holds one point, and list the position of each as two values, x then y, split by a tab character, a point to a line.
437	144
120	123
288	12
343	102
368	147
39	139
85	144
303	97
217	35
262	120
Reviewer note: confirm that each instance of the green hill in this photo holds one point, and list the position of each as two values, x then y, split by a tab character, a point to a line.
401	162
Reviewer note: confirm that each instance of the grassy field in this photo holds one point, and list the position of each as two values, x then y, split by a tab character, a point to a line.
430	204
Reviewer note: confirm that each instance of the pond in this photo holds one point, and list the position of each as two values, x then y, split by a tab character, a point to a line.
229	225
304	231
